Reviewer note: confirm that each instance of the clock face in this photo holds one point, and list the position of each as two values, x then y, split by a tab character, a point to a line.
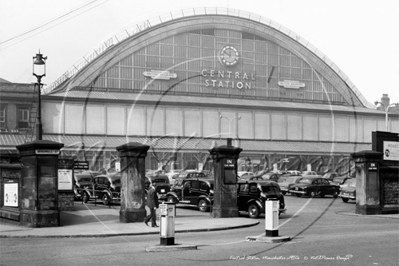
228	55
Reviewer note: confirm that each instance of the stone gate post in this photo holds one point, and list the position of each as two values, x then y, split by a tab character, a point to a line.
132	157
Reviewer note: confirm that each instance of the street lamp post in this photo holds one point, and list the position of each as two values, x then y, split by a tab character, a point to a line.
386	108
230	120
39	71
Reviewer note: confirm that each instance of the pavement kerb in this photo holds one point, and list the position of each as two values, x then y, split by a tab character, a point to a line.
131	234
385	216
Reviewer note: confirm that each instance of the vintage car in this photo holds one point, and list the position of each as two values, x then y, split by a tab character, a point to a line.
83	180
104	187
314	186
288	182
251	196
330	176
271	176
340	180
308	173
349	191
162	185
193	191
192	174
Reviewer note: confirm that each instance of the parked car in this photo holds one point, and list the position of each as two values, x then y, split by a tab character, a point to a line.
339	180
245	175
162	185
284	177
193	191
104	187
271	176
286	185
295	172
309	173
314	186
251	196
83	180
192	174
349	191
260	173
248	176
330	176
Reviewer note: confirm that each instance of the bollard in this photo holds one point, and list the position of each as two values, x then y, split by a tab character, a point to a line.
167	223
271	217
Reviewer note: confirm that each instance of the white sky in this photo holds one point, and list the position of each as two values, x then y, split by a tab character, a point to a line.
359	36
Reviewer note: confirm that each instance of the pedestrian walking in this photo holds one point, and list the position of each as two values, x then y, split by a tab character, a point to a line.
152	203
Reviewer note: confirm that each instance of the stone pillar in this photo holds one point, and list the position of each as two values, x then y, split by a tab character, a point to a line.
39	183
225	187
132	156
368	199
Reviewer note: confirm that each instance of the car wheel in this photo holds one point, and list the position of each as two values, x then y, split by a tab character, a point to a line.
203	205
345	200
253	211
312	194
106	199
85	197
298	195
335	195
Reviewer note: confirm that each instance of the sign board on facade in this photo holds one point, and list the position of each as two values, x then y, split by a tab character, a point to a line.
160	74
391	150
372	167
47	152
81	165
291	84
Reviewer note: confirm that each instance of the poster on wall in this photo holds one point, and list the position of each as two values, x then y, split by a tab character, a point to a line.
65	179
391	151
11	194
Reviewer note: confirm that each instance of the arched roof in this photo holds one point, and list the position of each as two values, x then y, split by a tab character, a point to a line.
152	30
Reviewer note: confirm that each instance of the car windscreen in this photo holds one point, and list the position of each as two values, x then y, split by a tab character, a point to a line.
305	181
159	180
270	189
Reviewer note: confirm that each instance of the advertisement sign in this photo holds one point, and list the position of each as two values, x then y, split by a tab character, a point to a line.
11	194
229	171
391	150
81	165
65	179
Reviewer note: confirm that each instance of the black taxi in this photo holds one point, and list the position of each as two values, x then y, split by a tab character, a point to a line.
252	194
193	191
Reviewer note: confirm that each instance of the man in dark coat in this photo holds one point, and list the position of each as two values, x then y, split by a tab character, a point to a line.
152	203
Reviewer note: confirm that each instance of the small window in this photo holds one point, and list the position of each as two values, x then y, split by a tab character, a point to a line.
253	189
23	117
2	116
195	184
204	186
